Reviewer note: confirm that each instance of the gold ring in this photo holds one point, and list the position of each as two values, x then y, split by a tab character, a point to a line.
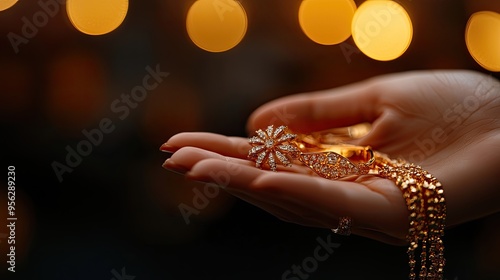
344	227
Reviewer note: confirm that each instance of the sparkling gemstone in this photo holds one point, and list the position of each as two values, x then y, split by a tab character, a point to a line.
269	131
269	143
278	131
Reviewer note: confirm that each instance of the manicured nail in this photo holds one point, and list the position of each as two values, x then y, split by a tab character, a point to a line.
167	148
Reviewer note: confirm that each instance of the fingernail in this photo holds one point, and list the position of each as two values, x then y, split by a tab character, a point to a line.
173	167
167	148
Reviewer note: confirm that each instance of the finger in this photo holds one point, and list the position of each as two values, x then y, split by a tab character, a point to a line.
308	196
237	180
317	111
224	173
185	158
236	147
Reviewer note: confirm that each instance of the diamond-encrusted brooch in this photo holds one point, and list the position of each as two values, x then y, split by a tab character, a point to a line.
273	145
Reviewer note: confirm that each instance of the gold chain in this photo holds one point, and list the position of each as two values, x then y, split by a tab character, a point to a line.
424	198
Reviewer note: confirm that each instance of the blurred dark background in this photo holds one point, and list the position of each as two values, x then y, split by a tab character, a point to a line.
116	215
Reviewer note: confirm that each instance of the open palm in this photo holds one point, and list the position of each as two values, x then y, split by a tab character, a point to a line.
446	121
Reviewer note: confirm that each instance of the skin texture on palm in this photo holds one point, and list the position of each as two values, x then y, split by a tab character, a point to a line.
446	121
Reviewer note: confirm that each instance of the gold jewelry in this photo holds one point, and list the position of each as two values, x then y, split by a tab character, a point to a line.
325	153
424	198
272	146
344	227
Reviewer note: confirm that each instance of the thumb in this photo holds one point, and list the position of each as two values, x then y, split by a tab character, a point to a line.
316	111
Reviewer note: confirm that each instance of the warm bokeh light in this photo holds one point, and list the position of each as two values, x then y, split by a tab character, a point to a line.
96	17
482	37
327	22
216	25
5	4
382	30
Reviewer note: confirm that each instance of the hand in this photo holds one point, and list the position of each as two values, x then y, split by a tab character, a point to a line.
446	121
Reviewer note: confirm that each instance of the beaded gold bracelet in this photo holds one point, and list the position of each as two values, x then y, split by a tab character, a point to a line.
424	198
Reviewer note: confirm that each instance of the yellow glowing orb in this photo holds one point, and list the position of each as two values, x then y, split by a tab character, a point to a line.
96	17
482	37
327	22
382	30
216	25
5	4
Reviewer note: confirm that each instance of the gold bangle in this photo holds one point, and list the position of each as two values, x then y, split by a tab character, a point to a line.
326	154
